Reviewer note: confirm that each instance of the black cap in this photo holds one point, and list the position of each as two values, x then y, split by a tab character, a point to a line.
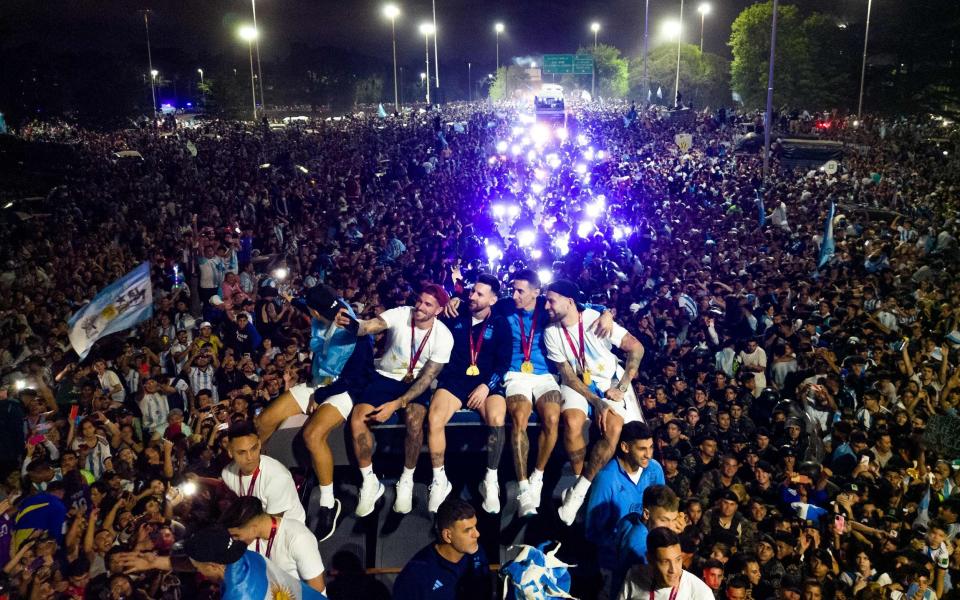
729	495
323	299
565	288
214	545
764	466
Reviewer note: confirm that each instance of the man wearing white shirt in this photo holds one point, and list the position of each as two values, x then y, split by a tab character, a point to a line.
154	405
663	577
252	474
591	375
754	359
286	542
109	381
417	346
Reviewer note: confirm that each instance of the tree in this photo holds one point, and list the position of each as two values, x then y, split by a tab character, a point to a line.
612	72
704	77
369	90
809	72
509	81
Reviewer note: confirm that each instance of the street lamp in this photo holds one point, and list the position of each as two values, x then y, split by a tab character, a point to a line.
704	10
153	76
427	29
253	5
248	33
863	65
201	75
646	36
595	28
436	54
676	84
392	11
498	28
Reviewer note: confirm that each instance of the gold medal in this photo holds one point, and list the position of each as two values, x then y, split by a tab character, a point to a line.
326	381
408	378
473	370
586	377
526	366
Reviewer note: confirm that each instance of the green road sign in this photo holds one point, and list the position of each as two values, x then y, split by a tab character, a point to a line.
561	64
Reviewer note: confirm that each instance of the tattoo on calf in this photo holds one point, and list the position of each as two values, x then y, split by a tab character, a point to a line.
365	446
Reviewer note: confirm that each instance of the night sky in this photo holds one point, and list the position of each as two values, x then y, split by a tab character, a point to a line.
206	27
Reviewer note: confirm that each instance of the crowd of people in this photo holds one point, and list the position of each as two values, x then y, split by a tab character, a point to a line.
742	393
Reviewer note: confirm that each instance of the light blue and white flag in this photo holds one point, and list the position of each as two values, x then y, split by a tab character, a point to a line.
254	577
762	217
827	246
808	512
381	113
535	573
660	92
121	305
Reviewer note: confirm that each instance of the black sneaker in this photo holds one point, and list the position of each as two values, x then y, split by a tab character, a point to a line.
327	521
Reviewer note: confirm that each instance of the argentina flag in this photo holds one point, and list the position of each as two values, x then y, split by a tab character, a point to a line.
254	577
121	305
827	245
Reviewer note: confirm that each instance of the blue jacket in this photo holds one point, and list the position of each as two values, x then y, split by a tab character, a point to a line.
429	576
613	495
330	354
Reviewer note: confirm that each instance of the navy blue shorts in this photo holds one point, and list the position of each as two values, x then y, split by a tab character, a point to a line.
461	387
382	389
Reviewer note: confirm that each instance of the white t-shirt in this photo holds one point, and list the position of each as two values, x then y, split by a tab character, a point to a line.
599	358
108	380
396	358
757	358
274	487
155	409
294	550
637	586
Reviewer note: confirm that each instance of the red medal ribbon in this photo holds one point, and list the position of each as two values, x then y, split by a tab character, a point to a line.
526	343
673	590
475	351
415	356
253	482
580	355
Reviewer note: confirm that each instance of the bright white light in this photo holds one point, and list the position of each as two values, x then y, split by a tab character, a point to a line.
154	73
536	188
498	27
531	156
493	252
562	244
391	11
562	134
601	200
188	488
531	203
856	123
617	234
280	273
588	154
595	27
536	253
518	131
516	149
526	238
540	134
594	210
499	210
501	147
513	210
581	168
946	153
248	33
601	154
525	140
582	140
627	230
540	174
584	228
545	275
426	29
533	65
492	160
19	384
670	29
8	204
302	169
704	9
553	161
527	119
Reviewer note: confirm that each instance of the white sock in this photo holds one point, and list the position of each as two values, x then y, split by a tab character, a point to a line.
326	496
537	476
439	475
582	485
367	471
524	485
491	474
407	474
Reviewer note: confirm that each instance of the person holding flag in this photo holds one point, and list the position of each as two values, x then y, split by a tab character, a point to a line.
591	375
342	362
827	245
417	346
474	377
119	306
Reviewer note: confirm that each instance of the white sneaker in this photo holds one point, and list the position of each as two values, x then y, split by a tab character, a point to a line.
370	492
527	506
438	493
572	501
404	502
490	490
536	490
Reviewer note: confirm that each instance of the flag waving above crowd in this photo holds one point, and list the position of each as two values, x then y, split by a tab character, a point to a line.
121	305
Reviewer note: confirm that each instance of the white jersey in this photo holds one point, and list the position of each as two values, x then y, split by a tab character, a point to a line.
294	550
396	358
600	359
273	486
638	583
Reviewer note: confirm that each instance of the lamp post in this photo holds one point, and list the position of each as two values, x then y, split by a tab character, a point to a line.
153	72
863	65
768	119
201	75
427	30
391	11
253	5
248	33
704	10
676	84
595	28
469	83
436	55
498	28
646	35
